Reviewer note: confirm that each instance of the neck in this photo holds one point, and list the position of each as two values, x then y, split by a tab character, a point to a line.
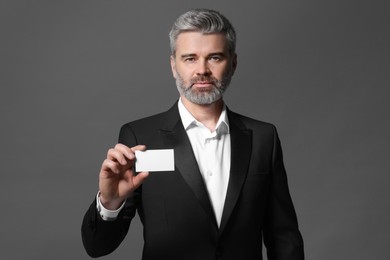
208	115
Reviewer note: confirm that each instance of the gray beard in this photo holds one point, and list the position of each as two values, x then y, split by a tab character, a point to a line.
204	97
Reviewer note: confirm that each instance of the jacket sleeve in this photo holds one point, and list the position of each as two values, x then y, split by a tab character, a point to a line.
103	237
281	234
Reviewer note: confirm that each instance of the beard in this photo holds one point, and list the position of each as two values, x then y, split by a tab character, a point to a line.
205	96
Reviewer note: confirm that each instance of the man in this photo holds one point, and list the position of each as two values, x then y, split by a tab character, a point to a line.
228	191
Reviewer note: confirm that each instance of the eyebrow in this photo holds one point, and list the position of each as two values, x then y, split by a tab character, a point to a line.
187	55
217	53
209	55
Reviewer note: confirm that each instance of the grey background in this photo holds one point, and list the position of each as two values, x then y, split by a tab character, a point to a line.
72	72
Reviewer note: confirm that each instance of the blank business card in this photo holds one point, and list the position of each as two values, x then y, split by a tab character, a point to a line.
155	160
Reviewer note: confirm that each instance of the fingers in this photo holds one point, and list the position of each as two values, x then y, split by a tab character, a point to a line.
120	152
110	166
120	158
117	179
116	155
138	148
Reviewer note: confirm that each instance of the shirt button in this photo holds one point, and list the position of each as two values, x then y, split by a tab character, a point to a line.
209	173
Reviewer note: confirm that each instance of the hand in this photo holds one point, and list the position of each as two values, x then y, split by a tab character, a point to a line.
117	180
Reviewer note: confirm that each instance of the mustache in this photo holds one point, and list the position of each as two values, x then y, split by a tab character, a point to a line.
197	79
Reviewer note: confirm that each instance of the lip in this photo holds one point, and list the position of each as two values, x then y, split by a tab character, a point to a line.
203	84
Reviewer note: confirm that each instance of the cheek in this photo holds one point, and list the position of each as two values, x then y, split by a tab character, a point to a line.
185	74
221	70
219	74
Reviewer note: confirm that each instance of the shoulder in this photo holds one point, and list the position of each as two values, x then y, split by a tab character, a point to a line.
153	119
161	120
246	122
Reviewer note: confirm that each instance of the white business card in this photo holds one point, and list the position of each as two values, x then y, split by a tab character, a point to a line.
155	160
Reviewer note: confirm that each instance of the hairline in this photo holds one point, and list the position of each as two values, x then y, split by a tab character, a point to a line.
227	30
228	47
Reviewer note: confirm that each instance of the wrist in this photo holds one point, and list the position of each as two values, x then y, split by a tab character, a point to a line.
112	204
107	214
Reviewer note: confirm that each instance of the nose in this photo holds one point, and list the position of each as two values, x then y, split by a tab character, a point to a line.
203	68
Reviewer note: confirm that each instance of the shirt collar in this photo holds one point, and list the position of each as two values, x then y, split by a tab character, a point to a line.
189	120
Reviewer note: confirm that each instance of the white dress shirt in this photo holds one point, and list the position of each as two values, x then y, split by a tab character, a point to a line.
212	152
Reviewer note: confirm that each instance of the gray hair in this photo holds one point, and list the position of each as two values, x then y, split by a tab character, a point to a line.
205	21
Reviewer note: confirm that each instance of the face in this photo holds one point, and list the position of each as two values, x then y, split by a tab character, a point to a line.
202	66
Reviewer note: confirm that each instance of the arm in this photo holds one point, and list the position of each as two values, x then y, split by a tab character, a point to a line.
281	235
103	237
117	183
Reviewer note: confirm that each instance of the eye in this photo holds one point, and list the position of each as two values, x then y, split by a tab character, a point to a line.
216	58
189	59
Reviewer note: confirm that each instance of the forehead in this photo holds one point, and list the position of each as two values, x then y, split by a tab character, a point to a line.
197	42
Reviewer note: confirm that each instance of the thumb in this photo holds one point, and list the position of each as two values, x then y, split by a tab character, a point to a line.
139	179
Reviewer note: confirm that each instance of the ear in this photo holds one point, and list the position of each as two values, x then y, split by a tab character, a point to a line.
234	62
173	66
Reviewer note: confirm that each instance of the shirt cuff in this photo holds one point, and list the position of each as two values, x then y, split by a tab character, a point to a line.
106	214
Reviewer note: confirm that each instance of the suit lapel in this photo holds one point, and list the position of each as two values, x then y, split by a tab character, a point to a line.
176	137
241	149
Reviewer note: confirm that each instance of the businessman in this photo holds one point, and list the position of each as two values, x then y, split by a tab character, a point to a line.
228	192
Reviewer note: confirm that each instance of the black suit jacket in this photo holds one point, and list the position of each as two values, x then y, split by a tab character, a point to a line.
174	207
